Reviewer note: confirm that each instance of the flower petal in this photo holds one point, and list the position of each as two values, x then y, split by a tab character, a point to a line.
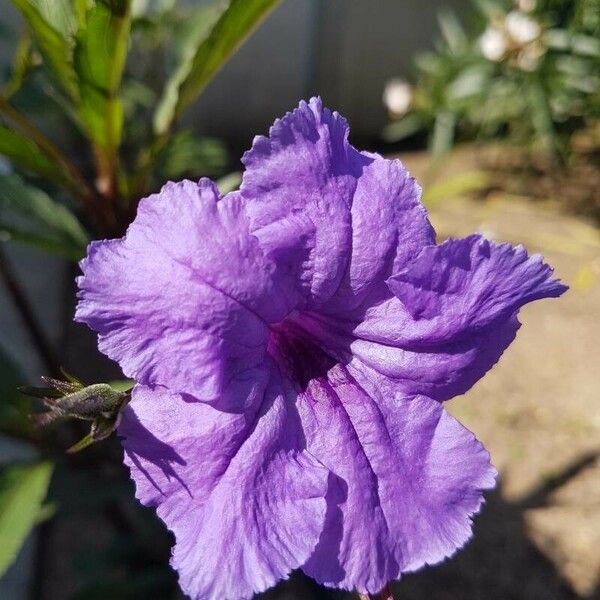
183	300
357	213
454	314
411	477
243	499
462	286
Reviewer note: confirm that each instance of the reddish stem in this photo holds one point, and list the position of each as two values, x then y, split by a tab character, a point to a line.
384	594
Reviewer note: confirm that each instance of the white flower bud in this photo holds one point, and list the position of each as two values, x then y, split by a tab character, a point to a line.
526	5
397	96
521	27
493	44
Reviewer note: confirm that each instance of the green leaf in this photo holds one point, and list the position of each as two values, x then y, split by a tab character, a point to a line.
471	81
22	491
58	13
122	385
193	32
21	66
586	45
14	407
459	185
186	155
403	128
85	442
100	53
50	30
206	53
46	512
229	183
443	133
29	215
26	154
452	31
541	116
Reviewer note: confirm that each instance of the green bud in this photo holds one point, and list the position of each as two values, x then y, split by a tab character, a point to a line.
98	403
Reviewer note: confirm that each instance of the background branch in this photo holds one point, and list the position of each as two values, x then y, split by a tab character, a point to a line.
36	333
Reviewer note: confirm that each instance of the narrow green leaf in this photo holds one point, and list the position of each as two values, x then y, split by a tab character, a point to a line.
72	379
84	442
456	186
21	66
443	133
54	44
187	155
193	32
229	183
470	81
122	385
234	25
541	116
403	128
453	31
58	13
29	215
586	45
22	491
100	53
26	154
46	512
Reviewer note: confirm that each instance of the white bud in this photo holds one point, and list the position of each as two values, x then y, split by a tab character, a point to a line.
397	96
521	27
493	44
526	5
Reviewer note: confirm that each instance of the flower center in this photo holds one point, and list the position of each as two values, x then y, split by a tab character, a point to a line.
297	355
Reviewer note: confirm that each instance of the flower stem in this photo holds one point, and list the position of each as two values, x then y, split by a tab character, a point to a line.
45	145
82	191
384	594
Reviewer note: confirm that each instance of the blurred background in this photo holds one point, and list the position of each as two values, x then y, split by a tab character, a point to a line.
494	105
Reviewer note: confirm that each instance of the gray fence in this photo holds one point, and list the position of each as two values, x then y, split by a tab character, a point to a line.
344	50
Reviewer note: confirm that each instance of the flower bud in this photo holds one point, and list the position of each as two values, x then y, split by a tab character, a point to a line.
521	27
397	96
98	403
493	44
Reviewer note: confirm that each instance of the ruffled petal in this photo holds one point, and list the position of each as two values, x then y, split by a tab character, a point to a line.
245	501
460	287
454	314
410	479
184	299
358	214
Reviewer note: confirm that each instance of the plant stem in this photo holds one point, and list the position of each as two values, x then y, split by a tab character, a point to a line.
24	308
42	142
91	201
145	165
384	594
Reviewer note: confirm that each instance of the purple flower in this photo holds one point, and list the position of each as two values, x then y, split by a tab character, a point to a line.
292	345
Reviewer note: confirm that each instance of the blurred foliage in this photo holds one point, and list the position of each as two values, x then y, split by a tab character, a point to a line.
14	407
22	491
524	71
29	215
90	107
90	113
